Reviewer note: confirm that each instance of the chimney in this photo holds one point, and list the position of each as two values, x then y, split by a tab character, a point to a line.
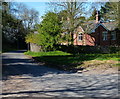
97	17
68	19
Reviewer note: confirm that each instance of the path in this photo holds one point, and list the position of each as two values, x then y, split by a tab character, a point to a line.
23	77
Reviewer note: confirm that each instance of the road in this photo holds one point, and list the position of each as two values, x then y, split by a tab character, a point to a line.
24	78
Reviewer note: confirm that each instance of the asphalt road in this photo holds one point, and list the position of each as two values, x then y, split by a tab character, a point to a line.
24	78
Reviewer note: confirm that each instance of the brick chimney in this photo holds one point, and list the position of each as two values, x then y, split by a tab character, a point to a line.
68	19
97	17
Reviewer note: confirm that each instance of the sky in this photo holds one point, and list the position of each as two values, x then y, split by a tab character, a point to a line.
41	7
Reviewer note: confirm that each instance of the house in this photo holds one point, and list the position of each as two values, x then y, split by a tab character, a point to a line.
95	33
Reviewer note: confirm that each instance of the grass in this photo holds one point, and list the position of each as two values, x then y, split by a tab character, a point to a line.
108	57
52	53
63	60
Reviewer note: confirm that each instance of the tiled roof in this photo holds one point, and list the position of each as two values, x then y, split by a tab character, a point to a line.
110	25
91	25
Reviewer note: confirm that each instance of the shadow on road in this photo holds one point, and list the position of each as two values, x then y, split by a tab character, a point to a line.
25	66
63	91
17	66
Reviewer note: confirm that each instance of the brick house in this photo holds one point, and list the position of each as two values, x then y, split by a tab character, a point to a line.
95	32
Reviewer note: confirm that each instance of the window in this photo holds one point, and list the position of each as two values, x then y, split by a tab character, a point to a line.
80	37
113	35
104	35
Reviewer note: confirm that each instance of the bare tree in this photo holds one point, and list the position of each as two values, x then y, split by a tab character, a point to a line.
29	17
33	18
73	11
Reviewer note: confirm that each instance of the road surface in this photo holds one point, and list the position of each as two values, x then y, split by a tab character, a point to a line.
24	78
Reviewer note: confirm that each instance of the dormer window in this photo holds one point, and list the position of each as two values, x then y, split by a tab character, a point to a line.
113	35
80	37
105	35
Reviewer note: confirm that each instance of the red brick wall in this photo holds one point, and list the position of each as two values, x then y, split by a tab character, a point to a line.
96	38
76	41
98	35
87	40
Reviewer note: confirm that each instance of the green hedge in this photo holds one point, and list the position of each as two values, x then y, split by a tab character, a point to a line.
87	49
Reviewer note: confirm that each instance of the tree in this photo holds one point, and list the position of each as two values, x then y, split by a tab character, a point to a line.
17	21
110	12
48	32
93	16
29	17
73	11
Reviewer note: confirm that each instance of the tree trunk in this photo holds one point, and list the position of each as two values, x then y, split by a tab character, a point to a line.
72	38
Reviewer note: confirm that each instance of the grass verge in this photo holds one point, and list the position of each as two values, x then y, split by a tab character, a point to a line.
67	61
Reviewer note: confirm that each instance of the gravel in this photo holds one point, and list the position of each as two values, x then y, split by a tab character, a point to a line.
24	78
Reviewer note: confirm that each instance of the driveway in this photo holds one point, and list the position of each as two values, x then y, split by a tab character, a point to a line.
24	78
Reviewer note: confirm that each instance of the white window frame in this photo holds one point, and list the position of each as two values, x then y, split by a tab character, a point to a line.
113	35
80	36
105	35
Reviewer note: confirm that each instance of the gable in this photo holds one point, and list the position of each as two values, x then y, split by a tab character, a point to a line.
98	25
79	29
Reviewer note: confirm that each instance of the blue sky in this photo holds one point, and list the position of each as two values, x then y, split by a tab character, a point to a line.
41	7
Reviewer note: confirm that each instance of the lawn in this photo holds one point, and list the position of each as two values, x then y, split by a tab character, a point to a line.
66	61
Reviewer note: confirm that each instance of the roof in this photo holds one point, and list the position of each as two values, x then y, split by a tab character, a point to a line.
90	26
110	25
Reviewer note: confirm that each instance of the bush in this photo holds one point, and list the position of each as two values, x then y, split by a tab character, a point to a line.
77	49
